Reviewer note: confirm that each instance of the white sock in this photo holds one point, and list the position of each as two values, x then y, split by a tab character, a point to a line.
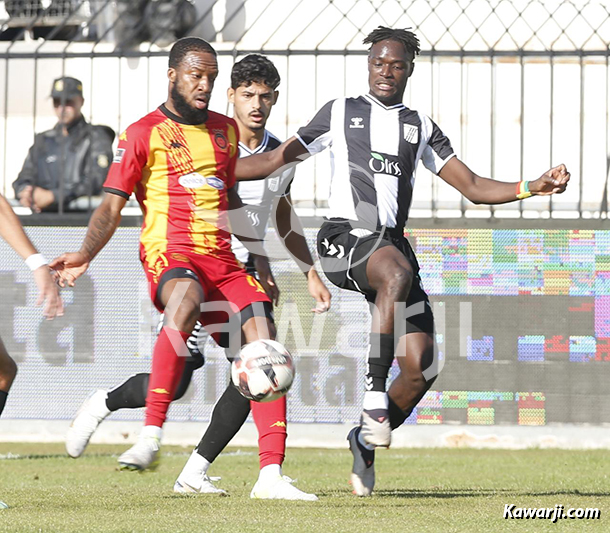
196	465
364	444
152	431
375	400
97	405
270	473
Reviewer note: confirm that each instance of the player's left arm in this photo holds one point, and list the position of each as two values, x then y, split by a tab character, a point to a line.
291	232
243	230
481	190
12	232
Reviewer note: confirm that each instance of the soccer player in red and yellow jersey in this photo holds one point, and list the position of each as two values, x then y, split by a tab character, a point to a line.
180	160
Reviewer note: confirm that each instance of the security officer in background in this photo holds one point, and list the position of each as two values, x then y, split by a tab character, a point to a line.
73	151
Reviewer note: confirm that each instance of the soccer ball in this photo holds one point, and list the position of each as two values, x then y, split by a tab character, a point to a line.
263	371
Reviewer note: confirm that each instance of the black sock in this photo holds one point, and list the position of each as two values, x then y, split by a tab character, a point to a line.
380	359
3	396
228	417
397	415
129	395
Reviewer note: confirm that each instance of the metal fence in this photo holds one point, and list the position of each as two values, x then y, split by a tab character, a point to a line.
518	86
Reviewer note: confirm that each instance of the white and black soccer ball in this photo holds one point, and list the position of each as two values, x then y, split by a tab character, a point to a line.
263	371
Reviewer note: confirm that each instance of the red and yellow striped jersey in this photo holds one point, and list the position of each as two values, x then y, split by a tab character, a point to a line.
180	174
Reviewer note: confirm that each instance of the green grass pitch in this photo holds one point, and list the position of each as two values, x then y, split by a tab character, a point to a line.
419	490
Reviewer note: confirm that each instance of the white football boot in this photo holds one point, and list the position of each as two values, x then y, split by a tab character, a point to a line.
202	484
144	453
89	416
280	488
363	467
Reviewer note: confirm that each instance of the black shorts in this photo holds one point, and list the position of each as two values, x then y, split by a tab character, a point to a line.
344	253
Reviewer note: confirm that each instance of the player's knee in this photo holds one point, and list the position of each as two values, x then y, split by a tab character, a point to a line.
185	315
397	283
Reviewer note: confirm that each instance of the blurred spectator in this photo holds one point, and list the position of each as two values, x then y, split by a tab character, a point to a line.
73	152
158	21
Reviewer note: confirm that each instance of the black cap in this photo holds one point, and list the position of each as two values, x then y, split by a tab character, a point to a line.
67	88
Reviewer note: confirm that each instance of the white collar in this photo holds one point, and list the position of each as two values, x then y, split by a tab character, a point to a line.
376	101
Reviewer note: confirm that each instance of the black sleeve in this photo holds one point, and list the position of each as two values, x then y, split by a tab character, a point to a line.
98	160
316	135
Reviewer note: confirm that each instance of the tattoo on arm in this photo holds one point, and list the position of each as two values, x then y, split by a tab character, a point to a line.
101	228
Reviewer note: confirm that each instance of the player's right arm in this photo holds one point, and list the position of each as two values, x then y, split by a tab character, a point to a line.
309	140
103	223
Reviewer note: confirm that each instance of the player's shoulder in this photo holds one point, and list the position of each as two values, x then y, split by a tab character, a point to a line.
272	142
143	126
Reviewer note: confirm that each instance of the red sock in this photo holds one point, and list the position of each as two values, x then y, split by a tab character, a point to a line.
270	420
169	358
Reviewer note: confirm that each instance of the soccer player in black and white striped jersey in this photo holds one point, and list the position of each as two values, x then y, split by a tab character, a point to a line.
376	143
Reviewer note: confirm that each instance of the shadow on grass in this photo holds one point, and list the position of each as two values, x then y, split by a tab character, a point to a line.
566	492
429	493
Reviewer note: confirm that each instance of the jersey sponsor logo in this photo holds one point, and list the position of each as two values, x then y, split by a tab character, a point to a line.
380	164
220	139
278	424
176	145
192	180
357	122
215	182
123	136
410	133
118	156
51	159
160	391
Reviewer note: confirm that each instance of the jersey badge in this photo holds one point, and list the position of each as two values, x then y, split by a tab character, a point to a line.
410	133
220	139
357	122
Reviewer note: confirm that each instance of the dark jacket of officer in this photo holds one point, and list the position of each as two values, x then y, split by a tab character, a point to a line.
82	158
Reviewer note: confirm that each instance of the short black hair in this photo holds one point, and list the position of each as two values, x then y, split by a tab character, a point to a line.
254	68
186	45
408	39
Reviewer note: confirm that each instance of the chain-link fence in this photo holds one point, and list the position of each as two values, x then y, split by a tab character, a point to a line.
516	85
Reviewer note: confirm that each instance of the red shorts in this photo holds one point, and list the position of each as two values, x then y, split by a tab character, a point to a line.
227	287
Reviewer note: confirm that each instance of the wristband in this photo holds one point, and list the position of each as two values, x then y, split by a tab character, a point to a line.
523	190
35	261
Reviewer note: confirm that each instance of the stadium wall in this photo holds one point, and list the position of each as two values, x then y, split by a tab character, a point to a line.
523	329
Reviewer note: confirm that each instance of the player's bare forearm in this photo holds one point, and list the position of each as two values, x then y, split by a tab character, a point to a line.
291	232
267	164
103	223
481	190
12	231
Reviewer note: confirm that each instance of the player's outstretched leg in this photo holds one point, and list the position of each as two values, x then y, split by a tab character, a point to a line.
129	395
270	419
230	412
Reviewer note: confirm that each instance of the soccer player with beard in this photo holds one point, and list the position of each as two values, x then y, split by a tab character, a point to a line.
180	161
253	92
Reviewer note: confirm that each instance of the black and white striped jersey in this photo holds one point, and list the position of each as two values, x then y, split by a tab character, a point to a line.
375	150
258	195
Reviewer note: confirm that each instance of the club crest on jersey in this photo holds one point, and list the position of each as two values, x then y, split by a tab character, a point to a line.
273	184
410	133
192	180
220	139
118	156
215	182
357	122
